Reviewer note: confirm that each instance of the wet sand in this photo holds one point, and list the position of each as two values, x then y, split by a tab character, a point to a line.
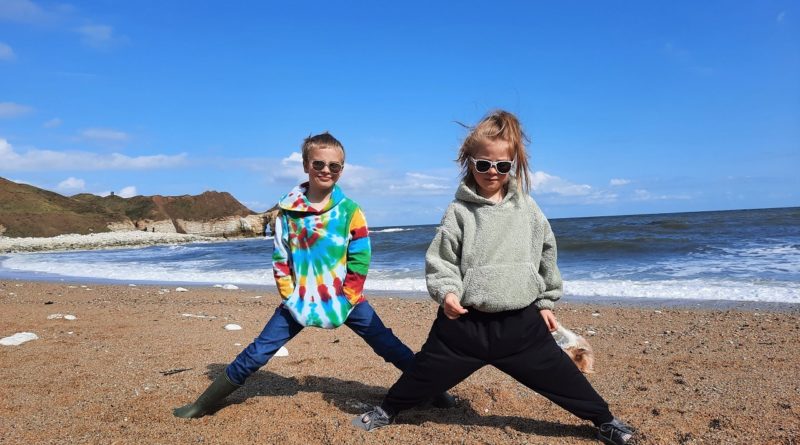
681	375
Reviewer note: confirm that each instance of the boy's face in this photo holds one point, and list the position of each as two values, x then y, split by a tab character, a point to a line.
328	159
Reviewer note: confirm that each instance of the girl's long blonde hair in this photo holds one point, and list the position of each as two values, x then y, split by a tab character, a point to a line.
497	125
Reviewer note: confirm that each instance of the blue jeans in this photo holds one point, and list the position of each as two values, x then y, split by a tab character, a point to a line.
282	327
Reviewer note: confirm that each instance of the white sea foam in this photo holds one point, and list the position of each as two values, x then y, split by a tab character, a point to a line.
96	241
692	289
676	282
389	230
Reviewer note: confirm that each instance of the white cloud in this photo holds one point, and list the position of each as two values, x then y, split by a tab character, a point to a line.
23	11
104	135
127	192
357	177
645	195
684	58
71	184
618	182
412	183
97	36
562	191
10	109
6	53
53	123
40	160
20	181
549	184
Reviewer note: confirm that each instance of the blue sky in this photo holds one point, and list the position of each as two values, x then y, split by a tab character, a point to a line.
632	107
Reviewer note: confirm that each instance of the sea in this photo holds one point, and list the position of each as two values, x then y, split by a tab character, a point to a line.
740	255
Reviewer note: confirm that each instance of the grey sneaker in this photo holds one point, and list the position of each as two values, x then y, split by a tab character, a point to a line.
616	432
372	420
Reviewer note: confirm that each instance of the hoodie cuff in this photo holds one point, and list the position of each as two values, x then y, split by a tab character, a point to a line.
544	304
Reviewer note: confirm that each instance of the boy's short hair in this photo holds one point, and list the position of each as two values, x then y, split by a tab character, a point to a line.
322	140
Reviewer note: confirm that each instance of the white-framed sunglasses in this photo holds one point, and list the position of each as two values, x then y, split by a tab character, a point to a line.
483	165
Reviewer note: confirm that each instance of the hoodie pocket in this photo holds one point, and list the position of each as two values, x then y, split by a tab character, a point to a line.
482	284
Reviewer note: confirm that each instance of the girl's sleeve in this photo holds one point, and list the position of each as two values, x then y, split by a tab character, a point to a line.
443	259
282	259
548	269
359	253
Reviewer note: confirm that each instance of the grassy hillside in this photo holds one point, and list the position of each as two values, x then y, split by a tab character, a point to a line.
29	211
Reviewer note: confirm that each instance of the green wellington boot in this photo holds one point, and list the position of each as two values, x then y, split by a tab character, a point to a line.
220	388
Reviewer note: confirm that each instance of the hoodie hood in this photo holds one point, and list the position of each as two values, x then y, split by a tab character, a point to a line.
467	192
296	200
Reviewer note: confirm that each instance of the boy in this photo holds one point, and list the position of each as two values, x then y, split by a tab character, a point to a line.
320	261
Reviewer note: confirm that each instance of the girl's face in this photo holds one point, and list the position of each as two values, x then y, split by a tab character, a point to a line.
491	183
325	178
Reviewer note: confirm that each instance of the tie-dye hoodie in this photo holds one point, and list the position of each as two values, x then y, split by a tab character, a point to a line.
320	259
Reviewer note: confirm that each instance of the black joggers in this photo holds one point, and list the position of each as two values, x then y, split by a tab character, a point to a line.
515	342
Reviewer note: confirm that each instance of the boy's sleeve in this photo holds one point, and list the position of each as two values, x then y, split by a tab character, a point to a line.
282	258
442	261
548	269
359	253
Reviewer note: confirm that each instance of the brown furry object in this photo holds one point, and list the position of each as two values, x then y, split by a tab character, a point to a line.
576	347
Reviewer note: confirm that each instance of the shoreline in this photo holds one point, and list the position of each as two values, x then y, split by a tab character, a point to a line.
674	373
102	241
604	301
96	241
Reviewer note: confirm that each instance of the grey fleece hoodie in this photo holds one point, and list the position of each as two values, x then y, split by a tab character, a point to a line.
494	256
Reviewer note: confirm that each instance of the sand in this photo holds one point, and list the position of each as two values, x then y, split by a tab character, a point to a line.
680	375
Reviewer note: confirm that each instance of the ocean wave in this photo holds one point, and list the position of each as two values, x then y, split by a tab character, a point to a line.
390	230
695	289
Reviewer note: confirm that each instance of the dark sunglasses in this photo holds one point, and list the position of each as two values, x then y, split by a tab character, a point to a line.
483	165
334	167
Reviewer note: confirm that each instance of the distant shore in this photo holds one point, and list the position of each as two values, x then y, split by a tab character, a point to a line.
110	363
106	240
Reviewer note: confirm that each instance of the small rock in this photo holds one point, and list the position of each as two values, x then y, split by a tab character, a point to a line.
230	287
181	289
232	327
18	339
282	352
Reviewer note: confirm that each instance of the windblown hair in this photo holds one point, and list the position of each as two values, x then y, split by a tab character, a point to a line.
497	125
322	140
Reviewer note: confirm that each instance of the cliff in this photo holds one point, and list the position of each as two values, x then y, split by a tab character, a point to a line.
27	211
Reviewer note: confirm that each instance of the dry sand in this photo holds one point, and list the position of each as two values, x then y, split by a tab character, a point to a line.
682	376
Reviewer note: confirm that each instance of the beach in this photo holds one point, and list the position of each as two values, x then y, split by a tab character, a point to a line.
681	375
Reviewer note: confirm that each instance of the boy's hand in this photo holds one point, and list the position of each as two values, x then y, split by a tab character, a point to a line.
452	307
549	319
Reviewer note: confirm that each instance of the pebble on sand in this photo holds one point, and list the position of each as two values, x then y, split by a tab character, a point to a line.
282	352
18	339
58	316
232	327
181	289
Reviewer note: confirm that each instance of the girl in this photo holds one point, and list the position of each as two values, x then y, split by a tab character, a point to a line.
492	268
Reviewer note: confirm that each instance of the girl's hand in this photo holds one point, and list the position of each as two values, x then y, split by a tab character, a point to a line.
549	319
452	307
